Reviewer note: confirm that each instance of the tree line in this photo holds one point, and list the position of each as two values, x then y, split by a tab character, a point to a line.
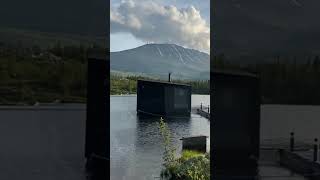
37	74
284	80
128	84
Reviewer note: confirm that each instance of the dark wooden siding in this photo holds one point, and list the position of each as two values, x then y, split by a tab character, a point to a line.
236	118
165	99
150	97
98	109
177	100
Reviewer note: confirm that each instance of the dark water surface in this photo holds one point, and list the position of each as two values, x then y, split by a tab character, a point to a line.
277	121
47	142
136	146
42	143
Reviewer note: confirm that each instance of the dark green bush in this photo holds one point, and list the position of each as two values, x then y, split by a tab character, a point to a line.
192	165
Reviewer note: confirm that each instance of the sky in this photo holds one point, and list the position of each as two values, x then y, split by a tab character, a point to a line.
182	22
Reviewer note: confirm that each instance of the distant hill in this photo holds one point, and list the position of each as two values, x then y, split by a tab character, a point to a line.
249	30
158	60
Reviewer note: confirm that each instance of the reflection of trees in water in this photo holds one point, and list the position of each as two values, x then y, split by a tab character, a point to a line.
148	134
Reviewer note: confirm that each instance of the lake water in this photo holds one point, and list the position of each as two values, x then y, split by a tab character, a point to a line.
48	142
136	149
42	142
277	121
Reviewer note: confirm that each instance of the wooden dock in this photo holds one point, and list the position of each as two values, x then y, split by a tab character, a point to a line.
203	113
300	156
202	110
301	162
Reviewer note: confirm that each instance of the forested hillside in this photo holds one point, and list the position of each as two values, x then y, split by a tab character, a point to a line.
36	74
128	84
285	80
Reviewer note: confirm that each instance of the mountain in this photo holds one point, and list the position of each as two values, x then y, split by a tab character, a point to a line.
264	29
160	59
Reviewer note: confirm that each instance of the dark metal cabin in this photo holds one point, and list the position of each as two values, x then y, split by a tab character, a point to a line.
98	108
235	118
163	98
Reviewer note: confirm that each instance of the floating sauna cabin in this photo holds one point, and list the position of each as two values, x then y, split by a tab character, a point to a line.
98	114
166	99
235	118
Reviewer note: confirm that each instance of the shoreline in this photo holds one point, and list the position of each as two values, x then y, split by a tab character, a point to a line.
59	107
121	95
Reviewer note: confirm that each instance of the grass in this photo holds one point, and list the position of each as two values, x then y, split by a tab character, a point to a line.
187	154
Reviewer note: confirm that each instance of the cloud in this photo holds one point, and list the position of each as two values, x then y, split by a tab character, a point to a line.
153	22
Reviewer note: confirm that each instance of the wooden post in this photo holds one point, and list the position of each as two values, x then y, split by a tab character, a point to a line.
208	108
201	106
292	141
315	150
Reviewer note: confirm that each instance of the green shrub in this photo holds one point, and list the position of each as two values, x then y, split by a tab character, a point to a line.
192	165
194	168
169	150
187	154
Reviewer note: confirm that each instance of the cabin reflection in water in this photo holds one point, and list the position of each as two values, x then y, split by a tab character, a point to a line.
236	124
166	99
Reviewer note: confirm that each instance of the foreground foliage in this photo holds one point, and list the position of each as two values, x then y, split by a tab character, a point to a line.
191	165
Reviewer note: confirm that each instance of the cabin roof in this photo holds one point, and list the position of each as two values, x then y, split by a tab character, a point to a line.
192	137
234	73
165	82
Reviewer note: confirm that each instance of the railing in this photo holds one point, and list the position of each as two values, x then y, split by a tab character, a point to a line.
203	111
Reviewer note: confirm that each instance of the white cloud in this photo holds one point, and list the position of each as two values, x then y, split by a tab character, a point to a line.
153	22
